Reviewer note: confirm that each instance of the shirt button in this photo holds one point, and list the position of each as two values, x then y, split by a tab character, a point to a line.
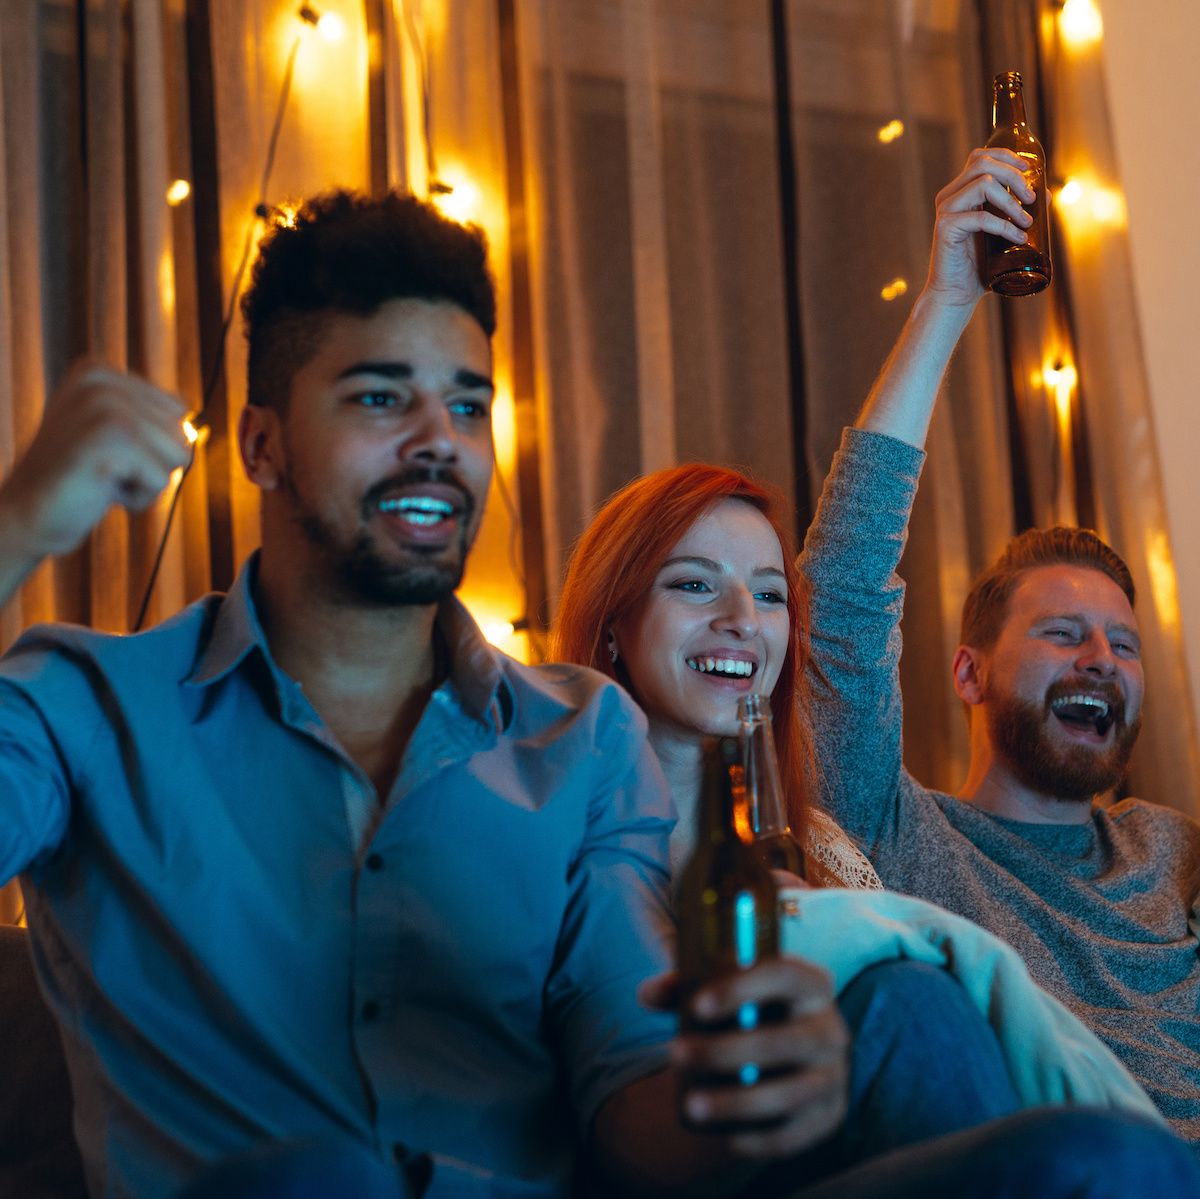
374	862
400	1152
370	1010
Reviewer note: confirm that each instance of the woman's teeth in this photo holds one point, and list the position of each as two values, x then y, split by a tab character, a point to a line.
732	667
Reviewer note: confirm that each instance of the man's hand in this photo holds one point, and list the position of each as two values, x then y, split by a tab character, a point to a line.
106	439
901	401
991	176
802	1056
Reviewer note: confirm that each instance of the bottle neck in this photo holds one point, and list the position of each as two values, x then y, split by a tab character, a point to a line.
717	801
1008	105
767	808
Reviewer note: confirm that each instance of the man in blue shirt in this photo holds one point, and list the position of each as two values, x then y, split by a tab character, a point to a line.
311	861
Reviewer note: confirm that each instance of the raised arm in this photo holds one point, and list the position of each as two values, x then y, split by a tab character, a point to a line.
106	439
901	401
857	536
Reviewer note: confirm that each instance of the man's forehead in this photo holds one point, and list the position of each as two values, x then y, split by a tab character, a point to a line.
1063	589
405	325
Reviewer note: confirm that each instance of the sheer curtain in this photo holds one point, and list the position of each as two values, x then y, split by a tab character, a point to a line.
662	314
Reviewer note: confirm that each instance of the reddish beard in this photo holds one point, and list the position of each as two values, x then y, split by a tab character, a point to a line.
1071	773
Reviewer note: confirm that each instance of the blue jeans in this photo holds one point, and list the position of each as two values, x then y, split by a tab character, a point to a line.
932	1112
1042	1153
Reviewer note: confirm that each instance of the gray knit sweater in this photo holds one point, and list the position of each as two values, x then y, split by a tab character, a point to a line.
1099	911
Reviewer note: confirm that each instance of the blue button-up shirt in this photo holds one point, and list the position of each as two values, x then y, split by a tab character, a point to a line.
242	942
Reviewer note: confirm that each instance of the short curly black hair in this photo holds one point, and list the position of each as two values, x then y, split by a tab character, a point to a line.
351	253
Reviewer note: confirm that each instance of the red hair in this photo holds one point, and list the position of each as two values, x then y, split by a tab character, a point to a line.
613	567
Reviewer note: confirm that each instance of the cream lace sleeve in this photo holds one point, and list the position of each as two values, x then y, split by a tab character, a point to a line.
833	860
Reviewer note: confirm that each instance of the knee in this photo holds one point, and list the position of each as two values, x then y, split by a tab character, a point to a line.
1111	1152
907	992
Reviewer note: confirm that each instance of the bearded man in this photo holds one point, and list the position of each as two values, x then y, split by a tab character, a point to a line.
1096	897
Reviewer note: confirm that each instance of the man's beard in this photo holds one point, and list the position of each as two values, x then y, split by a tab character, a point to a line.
1071	773
364	575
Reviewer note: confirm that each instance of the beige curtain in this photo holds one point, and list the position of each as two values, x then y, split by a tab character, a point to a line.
661	288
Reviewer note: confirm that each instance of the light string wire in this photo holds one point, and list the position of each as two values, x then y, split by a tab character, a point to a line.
261	212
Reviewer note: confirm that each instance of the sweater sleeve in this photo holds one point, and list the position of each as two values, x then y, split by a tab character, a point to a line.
850	558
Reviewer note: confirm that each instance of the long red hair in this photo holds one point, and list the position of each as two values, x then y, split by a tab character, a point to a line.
612	569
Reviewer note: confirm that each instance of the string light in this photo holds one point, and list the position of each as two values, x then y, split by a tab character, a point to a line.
499	631
281	214
890	132
458	200
1070	192
329	25
1080	23
1060	379
179	191
1085	201
893	290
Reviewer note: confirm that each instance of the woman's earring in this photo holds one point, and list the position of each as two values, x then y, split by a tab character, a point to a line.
612	647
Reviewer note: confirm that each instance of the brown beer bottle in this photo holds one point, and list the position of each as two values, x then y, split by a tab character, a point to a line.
727	915
1008	268
766	807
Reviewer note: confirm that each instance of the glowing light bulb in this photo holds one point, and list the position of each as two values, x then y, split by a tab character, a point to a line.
1060	374
329	25
458	200
1070	192
1060	378
196	430
1089	204
179	191
891	291
891	131
1081	23
499	631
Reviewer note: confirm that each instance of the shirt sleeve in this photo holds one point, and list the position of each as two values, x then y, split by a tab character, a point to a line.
617	930
850	557
34	791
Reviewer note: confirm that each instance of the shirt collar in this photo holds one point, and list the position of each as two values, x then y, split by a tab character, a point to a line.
475	668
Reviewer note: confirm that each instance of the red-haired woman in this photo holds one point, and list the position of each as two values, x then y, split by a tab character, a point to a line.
684	589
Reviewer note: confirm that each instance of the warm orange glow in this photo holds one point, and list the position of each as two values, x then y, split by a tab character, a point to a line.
504	430
196	430
1162	579
891	131
1080	23
328	24
457	197
179	191
1071	192
1060	379
893	290
1088	206
166	283
498	627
